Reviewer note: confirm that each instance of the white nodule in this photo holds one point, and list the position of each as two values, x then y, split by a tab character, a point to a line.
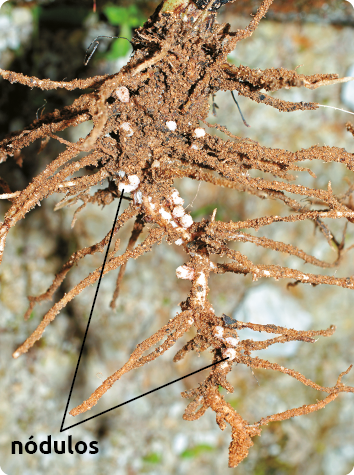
186	221
218	331
201	280
165	214
178	211
185	272
177	200
134	180
133	184
179	242
126	188
229	353
223	365
232	341
201	284
199	132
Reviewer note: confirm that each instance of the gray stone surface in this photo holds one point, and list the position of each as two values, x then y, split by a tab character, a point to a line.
347	95
267	304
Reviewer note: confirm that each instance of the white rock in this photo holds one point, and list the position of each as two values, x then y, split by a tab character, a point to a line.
127	128
122	93
267	304
179	443
171	124
347	94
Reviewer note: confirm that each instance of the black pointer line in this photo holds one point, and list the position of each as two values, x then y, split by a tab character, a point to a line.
89	321
83	344
142	395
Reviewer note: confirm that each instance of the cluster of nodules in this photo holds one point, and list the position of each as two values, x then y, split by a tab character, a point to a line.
230	342
174	213
171	212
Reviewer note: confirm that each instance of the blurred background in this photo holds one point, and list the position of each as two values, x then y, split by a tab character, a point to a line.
48	39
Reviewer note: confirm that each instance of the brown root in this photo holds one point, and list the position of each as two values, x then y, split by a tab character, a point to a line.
147	133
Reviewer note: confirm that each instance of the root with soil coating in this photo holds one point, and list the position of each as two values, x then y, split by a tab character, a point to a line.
148	132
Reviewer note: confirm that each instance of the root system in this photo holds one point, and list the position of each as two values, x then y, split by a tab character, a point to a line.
148	131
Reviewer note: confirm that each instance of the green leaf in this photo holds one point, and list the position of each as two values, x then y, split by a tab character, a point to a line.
153	458
235	403
36	13
116	15
203	211
119	16
197	450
